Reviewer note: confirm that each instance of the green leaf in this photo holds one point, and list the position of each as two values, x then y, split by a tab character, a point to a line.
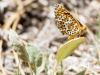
38	59
40	68
18	46
81	73
68	48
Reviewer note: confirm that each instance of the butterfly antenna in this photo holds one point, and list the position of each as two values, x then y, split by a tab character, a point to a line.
76	13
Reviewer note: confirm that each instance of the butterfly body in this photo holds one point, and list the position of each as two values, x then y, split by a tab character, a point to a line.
67	24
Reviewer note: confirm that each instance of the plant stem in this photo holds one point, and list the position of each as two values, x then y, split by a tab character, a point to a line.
55	68
30	68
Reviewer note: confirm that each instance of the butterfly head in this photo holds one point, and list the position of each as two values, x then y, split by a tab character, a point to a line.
83	30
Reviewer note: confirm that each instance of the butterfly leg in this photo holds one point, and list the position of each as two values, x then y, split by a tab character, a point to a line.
71	37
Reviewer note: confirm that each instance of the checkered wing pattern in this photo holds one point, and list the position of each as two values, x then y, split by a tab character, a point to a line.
66	23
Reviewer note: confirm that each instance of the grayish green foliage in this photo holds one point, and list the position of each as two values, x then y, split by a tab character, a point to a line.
18	46
35	58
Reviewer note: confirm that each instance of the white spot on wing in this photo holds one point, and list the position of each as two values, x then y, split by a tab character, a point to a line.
75	26
67	22
61	17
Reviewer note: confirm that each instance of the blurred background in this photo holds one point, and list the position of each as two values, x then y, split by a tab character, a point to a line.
34	22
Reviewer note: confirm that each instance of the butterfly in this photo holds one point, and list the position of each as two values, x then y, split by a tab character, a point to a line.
67	24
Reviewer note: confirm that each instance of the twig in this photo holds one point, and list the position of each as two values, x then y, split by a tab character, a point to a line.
1	67
96	44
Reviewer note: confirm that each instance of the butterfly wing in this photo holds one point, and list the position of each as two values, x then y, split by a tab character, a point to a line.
67	24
